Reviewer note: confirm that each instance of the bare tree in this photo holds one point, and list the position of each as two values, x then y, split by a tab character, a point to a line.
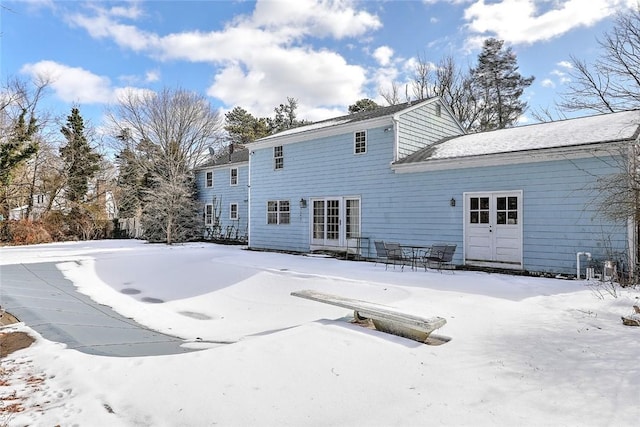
170	133
612	83
453	85
422	80
392	95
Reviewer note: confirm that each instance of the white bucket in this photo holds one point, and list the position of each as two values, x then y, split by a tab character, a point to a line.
609	271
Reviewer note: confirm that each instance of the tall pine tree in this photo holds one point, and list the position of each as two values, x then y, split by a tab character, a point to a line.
243	128
16	149
80	160
498	86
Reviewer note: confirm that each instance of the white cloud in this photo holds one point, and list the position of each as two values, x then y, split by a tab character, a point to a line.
262	58
383	55
548	83
152	76
104	25
77	85
275	73
72	84
529	21
332	18
565	64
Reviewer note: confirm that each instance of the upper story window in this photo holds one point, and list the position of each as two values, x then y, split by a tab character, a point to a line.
278	212
278	157
233	211
360	142
208	180
234	176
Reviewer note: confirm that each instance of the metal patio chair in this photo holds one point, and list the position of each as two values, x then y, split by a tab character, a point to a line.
396	254
381	253
440	254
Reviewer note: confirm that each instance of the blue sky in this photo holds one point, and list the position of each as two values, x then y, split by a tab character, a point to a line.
254	54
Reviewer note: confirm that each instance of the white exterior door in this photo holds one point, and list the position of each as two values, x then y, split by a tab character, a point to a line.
493	229
334	223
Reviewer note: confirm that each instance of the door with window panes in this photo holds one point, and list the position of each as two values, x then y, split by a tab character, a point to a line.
493	229
335	222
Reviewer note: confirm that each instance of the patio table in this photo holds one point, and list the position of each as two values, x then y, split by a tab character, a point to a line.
415	251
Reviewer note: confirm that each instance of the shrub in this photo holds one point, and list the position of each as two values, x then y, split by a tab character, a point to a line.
26	232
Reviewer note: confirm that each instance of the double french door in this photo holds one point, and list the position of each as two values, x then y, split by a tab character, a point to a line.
335	222
493	229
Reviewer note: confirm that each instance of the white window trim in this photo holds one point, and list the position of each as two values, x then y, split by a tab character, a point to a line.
206	185
276	158
208	221
231	216
366	137
231	183
278	212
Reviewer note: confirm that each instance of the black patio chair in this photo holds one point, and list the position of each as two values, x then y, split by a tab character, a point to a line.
396	254
440	254
381	253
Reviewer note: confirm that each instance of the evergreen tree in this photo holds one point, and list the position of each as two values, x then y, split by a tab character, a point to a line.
130	179
243	127
16	149
498	86
285	117
364	104
80	160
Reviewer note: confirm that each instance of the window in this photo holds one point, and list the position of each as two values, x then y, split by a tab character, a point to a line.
278	157
233	211
479	210
234	176
208	214
353	218
507	210
209	179
360	142
278	212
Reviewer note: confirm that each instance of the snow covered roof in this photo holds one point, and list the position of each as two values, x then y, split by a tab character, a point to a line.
349	118
602	128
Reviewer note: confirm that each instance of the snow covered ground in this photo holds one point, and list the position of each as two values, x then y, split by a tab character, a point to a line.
523	352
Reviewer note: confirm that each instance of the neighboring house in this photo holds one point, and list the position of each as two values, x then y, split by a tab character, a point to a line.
521	198
223	189
41	204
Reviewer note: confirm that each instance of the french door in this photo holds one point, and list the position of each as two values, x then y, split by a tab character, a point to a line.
493	229
335	222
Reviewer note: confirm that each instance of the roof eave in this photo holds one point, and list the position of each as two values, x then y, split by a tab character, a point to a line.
339	129
610	148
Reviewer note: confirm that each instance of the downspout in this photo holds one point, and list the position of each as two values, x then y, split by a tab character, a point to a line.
634	226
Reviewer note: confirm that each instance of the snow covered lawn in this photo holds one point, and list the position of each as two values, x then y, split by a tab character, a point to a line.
523	352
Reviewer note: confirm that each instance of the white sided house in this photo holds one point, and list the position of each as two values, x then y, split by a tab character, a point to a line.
524	198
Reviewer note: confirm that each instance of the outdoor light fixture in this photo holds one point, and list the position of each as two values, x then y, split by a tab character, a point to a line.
303	203
452	202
